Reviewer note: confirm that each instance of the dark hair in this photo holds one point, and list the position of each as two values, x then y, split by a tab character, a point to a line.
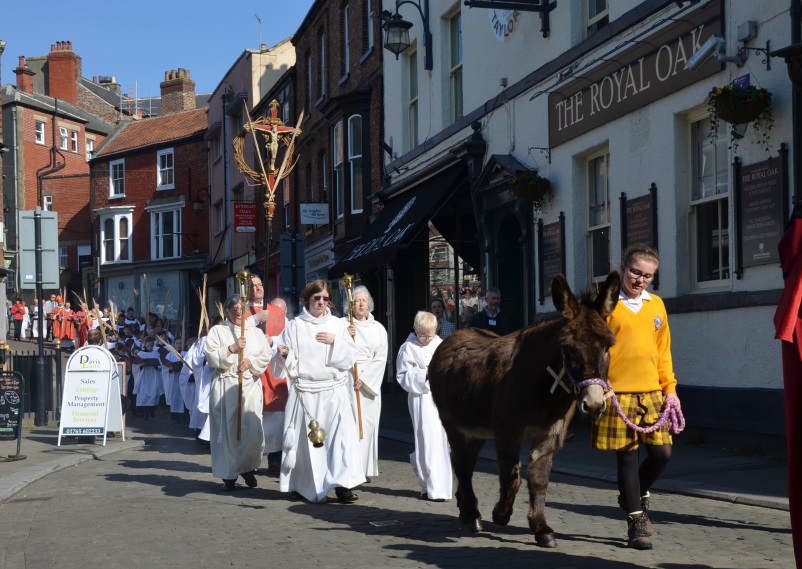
314	287
437	299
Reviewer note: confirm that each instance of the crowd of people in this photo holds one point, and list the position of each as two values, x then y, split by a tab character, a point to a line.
304	394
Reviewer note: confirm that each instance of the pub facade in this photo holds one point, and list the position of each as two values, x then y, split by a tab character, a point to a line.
610	105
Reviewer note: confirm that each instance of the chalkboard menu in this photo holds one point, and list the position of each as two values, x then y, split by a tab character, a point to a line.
11	390
640	221
762	204
551	249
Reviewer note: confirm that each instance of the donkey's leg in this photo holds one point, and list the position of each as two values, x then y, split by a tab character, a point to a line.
464	453
509	476
537	475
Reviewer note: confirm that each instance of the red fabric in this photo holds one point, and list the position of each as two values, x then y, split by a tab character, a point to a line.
275	390
788	325
17	311
80	321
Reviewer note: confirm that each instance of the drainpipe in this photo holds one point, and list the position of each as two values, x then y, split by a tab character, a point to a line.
796	128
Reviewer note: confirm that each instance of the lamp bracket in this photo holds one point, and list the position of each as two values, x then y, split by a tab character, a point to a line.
543	150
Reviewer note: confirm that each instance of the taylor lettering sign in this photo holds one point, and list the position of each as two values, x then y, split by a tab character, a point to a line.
761	205
245	217
314	213
653	68
503	23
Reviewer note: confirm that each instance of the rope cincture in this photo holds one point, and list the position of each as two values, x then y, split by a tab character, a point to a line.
670	415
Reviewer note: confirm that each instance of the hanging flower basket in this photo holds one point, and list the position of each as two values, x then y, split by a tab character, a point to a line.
533	187
740	105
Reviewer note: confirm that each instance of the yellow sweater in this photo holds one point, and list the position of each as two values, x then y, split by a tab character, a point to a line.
640	360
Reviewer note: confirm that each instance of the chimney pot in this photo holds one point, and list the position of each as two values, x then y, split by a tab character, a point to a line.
22	61
69	45
52	47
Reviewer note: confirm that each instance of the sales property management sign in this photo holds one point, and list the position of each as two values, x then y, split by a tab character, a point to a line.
650	70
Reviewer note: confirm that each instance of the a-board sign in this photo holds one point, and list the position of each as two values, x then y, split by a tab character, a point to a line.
11	394
91	404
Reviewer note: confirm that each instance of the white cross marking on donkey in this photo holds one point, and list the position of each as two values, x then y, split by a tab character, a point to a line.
558	380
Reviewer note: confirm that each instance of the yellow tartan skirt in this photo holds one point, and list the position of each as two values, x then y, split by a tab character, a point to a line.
642	409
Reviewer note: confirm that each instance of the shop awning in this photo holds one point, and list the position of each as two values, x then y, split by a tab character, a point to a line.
400	221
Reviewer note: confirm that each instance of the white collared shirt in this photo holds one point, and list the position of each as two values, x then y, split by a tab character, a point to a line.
634	304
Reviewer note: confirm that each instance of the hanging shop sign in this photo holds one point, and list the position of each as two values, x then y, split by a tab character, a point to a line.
315	213
245	217
653	68
503	23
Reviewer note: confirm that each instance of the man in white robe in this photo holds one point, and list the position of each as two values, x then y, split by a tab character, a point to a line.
233	456
315	353
431	460
371	339
148	385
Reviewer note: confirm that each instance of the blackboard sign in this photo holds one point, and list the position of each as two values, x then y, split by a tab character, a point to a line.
11	393
639	220
552	254
762	205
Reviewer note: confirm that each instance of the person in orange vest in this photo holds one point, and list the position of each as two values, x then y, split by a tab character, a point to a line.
271	320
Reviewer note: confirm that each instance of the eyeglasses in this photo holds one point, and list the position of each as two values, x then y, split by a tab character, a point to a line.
647	277
319	297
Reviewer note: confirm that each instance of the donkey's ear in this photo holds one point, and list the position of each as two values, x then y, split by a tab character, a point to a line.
608	295
564	300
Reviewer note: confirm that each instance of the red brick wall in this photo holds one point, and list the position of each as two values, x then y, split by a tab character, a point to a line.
62	72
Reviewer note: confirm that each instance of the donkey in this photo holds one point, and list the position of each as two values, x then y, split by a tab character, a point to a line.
522	386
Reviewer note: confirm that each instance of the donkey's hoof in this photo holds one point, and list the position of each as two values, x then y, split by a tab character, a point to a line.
477	525
501	519
545	539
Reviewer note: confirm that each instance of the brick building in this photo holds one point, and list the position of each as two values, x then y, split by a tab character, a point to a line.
150	232
50	138
339	85
3	271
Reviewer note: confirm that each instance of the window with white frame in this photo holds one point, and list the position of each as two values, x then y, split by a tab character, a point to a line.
598	15
218	147
117	178
48	203
166	170
40	132
598	169
63	140
339	172
368	23
455	59
165	234
90	148
115	236
412	105
355	161
63	257
219	217
709	206
74	140
322	65
346	51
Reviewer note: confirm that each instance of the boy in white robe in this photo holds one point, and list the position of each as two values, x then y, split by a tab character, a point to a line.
431	460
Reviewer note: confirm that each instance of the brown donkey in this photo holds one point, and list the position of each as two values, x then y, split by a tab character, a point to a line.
523	386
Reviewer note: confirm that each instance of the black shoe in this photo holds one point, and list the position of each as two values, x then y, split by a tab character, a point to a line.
345	496
249	478
296	497
229	485
367	479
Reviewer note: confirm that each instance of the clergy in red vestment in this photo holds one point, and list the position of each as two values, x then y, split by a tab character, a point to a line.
57	316
80	320
788	325
270	319
68	329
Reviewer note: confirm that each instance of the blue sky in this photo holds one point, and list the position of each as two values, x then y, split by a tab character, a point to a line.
138	41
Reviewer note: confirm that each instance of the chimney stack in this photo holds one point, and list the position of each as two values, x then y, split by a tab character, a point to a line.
24	76
178	92
63	72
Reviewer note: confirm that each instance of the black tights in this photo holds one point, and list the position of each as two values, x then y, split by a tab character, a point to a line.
635	481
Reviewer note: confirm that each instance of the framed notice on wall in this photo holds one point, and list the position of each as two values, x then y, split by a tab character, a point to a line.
762	210
639	223
551	254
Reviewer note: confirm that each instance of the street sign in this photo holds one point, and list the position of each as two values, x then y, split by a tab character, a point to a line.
92	402
27	250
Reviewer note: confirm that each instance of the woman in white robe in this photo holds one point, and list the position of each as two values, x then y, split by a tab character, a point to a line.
315	352
232	457
171	373
431	460
371	339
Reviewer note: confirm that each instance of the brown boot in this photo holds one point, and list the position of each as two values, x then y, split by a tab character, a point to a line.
644	505
636	531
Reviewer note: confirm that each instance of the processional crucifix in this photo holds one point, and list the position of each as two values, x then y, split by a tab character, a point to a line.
275	134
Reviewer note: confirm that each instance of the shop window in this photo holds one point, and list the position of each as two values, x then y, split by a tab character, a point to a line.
598	167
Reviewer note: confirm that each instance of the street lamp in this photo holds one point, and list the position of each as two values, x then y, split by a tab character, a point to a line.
396	38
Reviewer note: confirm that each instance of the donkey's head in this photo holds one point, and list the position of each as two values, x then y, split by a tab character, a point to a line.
586	339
